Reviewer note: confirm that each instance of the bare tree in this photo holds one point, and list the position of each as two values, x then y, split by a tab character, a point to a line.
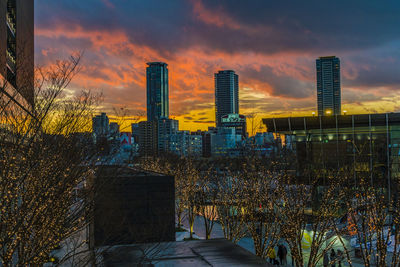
45	161
375	224
207	200
254	122
230	195
259	206
311	207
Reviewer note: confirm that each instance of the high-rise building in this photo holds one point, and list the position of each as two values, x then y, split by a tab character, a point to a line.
148	138
135	132
114	130
165	128
226	94
17	47
157	91
328	86
100	125
183	143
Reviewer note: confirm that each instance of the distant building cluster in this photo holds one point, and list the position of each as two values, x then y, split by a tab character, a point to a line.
160	134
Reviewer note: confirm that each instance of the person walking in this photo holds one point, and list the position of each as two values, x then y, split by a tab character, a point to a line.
282	253
333	258
272	256
326	259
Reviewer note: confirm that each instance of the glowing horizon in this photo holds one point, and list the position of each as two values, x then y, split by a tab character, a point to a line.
272	49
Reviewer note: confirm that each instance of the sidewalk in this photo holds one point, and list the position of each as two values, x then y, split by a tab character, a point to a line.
246	242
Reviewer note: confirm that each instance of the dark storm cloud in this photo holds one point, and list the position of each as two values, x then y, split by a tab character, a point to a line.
281	85
258	26
322	26
364	34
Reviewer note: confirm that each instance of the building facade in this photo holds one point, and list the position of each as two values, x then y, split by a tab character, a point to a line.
183	143
148	138
165	128
328	86
205	142
367	146
17	47
135	132
225	142
226	94
100	125
157	91
236	121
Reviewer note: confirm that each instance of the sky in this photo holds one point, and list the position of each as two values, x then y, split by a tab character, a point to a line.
271	45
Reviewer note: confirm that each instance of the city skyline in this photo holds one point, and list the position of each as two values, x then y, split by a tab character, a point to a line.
275	57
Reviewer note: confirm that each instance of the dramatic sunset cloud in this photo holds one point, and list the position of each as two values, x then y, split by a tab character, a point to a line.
270	46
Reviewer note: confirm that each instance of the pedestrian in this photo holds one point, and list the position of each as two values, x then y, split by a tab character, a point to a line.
272	256
326	259
339	257
282	253
333	258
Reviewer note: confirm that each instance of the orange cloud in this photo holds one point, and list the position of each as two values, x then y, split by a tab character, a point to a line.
115	64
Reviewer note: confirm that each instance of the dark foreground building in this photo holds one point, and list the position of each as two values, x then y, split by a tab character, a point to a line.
17	46
132	206
366	145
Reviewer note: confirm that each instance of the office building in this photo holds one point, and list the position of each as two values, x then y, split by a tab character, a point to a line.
226	94
367	146
17	49
100	125
236	121
328	86
135	132
205	142
165	128
157	91
114	130
148	138
183	143
224	142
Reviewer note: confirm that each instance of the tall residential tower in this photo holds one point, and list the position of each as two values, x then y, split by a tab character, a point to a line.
157	91
16	47
226	94
328	86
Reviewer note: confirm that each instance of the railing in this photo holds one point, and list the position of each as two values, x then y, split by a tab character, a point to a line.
11	24
11	61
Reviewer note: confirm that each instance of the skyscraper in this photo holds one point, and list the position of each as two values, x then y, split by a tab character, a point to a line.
100	125
328	86
226	94
16	47
157	91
